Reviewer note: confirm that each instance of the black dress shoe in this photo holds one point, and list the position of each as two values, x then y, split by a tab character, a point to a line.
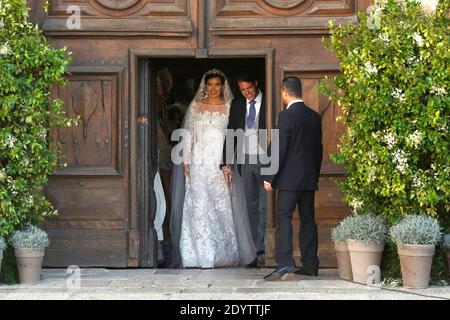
252	265
305	272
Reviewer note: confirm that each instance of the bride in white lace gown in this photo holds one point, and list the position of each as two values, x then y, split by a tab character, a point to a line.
214	228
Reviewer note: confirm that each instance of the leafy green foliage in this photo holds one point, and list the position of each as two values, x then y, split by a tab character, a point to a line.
416	229
9	273
393	93
29	66
393	90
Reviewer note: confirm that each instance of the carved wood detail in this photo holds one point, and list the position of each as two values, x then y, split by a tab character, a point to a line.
121	8
84	103
282	4
93	147
120	18
240	8
263	17
117	4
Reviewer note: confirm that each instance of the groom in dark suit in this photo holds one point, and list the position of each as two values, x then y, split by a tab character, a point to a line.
300	159
248	115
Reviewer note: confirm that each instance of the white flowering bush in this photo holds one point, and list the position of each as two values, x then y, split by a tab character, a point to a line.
30	237
416	230
393	91
28	68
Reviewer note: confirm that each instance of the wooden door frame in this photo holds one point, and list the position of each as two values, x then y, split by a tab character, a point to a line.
134	242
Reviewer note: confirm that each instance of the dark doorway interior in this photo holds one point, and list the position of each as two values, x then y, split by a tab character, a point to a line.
169	85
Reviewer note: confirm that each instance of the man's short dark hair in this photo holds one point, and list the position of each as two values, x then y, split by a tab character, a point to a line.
246	77
293	86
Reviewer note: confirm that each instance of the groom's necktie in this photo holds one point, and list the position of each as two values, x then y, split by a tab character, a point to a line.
251	114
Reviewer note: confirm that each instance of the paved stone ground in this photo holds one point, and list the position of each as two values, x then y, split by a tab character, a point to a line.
214	284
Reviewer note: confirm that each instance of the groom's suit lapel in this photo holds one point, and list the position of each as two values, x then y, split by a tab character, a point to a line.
262	114
242	113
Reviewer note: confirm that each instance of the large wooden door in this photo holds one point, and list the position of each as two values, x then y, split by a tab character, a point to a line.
99	192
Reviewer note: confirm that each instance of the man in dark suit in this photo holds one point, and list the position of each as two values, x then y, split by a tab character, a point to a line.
248	114
300	159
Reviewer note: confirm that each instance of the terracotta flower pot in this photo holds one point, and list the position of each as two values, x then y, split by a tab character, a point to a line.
343	260
364	255
415	261
29	264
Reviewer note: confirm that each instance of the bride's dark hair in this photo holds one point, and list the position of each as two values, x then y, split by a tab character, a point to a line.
214	75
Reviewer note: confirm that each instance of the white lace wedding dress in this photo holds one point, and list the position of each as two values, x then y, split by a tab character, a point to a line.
214	230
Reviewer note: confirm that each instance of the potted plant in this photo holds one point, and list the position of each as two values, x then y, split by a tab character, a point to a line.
29	247
2	248
392	90
447	248
366	236
339	235
416	238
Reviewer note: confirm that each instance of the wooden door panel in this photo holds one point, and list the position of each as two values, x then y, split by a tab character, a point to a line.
239	8
89	204
92	147
114	8
91	192
272	17
86	248
120	18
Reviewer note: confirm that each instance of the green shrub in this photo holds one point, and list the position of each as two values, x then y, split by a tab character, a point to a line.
30	237
29	66
9	273
367	227
416	230
394	93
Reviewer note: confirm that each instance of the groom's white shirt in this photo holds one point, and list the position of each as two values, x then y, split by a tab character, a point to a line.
292	102
251	134
258	101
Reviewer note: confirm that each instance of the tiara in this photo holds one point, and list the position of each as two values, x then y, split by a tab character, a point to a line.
215	71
